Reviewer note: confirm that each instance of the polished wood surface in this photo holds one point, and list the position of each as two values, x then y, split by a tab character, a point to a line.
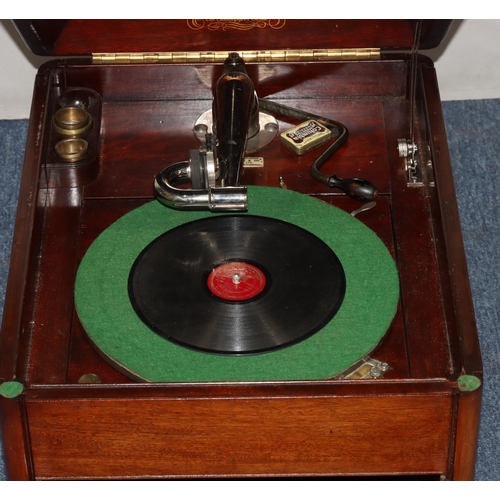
86	36
203	437
414	421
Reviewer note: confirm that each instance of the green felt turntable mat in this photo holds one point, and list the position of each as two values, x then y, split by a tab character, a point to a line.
369	306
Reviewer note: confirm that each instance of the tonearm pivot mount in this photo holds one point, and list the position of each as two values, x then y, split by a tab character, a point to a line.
215	168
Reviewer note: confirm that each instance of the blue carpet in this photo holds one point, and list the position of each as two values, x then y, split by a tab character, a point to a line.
12	142
472	128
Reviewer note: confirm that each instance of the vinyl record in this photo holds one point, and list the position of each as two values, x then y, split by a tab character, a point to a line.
236	284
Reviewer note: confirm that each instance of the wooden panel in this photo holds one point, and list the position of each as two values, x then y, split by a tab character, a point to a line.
183	81
426	328
83	36
449	218
469	408
40	34
87	36
25	244
202	437
54	305
14	438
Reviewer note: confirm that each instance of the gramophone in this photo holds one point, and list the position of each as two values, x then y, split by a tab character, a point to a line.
223	172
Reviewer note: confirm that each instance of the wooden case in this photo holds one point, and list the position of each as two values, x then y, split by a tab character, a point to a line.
421	418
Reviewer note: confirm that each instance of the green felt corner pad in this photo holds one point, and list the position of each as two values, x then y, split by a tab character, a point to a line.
369	306
11	389
468	383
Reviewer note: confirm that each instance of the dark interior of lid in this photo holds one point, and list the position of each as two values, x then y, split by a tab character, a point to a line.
87	36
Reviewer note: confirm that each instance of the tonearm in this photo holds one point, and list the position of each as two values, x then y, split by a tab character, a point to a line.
215	168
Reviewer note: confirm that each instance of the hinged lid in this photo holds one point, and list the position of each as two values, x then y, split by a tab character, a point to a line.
89	36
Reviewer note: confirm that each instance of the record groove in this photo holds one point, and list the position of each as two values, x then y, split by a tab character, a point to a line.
237	284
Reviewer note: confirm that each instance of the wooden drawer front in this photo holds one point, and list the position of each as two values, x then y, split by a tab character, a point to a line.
239	436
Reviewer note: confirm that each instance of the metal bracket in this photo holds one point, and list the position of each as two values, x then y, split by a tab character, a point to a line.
268	129
408	150
368	369
203	166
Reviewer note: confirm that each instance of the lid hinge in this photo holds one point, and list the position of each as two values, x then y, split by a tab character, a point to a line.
307	55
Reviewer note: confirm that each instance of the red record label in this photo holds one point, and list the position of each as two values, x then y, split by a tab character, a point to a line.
236	281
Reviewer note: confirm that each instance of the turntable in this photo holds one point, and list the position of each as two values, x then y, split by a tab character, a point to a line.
238	254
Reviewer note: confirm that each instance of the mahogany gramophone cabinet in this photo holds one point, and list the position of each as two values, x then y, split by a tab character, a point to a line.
126	164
